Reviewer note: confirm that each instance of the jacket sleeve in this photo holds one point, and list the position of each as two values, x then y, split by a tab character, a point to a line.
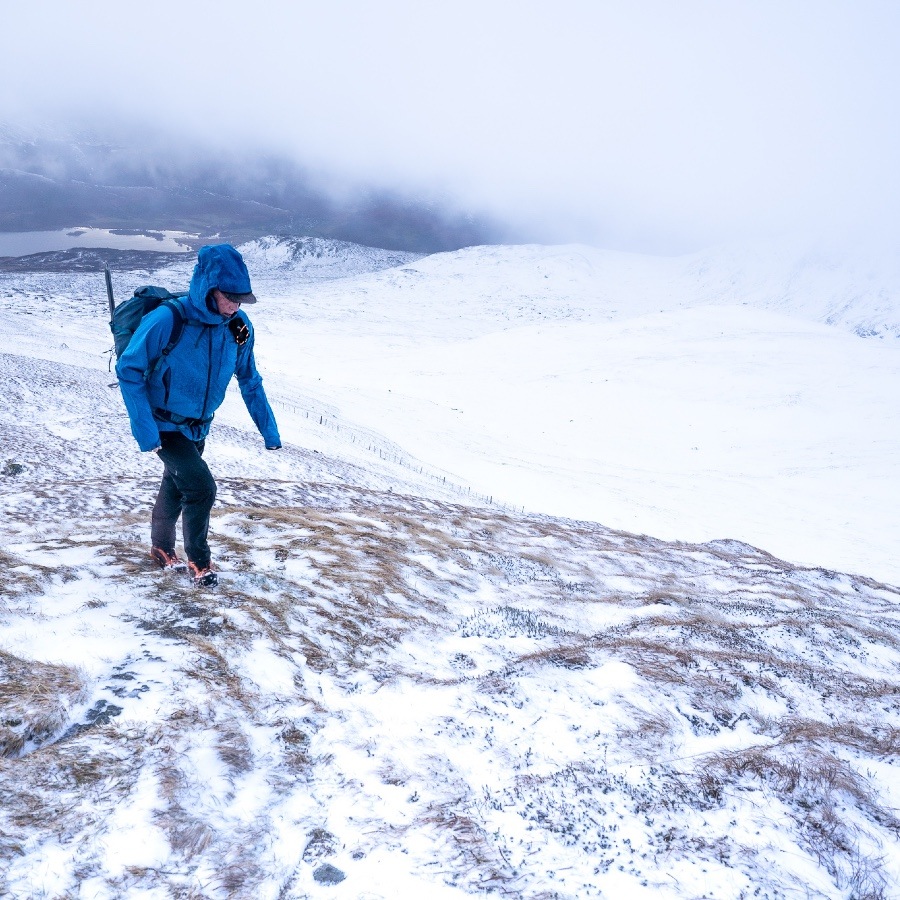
250	383
132	369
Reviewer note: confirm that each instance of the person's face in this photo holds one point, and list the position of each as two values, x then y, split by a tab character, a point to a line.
225	306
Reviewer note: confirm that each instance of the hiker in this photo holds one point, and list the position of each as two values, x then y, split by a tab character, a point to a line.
172	392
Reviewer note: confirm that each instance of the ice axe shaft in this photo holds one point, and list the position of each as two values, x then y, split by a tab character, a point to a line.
109	294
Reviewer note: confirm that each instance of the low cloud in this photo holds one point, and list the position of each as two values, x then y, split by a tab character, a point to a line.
648	124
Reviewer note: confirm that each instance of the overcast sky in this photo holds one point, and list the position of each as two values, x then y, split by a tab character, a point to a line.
679	122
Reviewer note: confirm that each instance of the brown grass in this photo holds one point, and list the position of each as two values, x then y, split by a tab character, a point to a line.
703	655
35	700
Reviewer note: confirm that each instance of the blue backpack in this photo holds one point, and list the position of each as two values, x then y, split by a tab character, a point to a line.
126	317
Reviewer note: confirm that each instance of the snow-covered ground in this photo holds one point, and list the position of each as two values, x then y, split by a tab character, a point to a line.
685	398
421	677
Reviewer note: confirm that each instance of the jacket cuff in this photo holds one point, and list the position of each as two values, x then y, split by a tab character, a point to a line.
149	443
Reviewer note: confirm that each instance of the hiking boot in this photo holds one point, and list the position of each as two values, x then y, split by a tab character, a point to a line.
167	559
204	577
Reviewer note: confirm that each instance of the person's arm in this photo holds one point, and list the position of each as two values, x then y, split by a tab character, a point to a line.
250	383
143	350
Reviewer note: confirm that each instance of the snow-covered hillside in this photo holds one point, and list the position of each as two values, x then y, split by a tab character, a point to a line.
659	395
722	394
408	685
310	259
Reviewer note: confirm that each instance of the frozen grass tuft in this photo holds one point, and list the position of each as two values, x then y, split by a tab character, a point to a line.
36	700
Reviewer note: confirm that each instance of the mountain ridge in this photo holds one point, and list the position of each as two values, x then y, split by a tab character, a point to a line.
48	181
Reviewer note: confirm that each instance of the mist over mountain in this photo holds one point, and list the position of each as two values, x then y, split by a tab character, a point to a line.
53	178
649	127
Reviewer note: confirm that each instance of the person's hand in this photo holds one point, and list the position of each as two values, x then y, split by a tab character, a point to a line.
154	450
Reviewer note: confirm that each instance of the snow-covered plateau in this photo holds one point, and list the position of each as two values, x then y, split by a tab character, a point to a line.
576	577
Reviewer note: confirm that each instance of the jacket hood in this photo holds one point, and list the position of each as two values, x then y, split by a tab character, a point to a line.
218	266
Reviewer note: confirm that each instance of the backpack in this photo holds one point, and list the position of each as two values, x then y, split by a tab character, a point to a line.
126	317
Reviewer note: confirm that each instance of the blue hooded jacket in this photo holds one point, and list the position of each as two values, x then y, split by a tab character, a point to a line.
183	390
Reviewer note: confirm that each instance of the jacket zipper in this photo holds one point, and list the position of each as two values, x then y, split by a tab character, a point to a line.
208	373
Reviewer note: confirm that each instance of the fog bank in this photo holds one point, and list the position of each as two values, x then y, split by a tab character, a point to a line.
651	124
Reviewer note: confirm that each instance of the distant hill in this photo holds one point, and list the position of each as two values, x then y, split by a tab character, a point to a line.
49	182
307	258
83	259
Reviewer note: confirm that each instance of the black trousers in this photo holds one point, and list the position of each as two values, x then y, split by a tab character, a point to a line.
187	490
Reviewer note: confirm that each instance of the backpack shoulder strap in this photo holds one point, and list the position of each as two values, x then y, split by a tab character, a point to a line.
177	324
177	328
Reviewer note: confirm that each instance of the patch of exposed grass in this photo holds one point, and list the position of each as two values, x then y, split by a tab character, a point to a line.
825	796
35	701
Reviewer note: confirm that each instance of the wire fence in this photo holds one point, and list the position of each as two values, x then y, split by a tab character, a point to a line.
387	451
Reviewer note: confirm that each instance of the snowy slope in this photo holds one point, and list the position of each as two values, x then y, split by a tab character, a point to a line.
696	424
404	690
627	390
318	258
432	700
686	397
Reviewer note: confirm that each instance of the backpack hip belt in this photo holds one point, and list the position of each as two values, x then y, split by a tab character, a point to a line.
174	419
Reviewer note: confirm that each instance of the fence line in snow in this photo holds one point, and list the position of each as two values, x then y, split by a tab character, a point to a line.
389	453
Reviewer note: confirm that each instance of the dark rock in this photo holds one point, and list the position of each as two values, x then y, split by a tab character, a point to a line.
328	874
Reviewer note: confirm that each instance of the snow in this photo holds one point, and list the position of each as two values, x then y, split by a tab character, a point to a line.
446	656
684	425
606	387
